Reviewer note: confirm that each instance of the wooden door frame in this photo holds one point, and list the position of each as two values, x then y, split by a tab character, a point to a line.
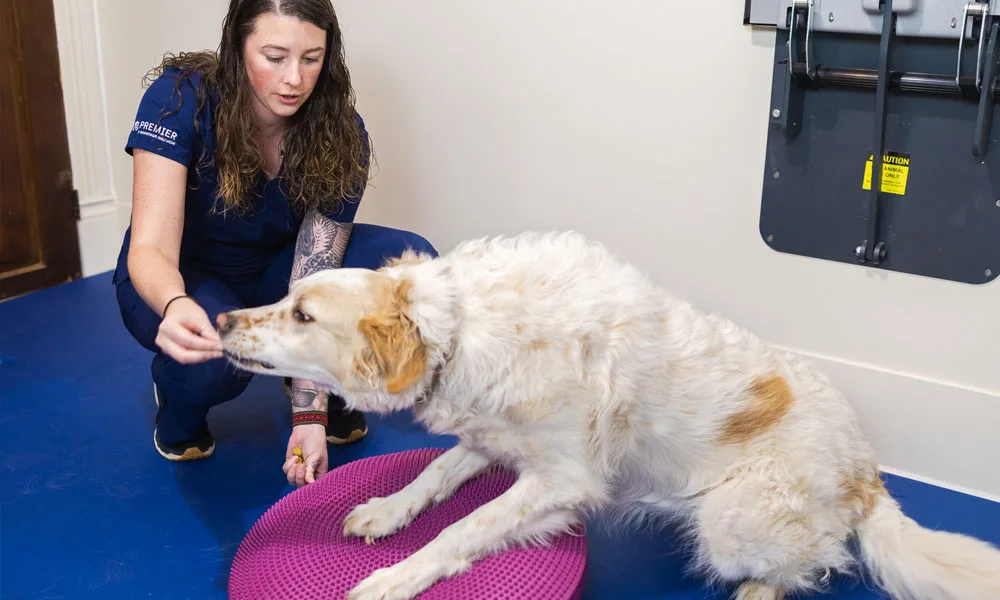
45	118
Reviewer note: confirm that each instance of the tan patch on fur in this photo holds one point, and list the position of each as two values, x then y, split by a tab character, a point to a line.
616	423
539	344
365	366
770	399
861	491
585	348
397	352
529	411
619	420
680	368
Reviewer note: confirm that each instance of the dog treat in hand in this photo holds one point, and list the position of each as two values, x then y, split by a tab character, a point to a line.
298	452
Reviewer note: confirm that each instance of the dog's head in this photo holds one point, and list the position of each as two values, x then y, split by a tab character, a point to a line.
373	337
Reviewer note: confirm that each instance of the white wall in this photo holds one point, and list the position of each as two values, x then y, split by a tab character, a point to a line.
642	124
133	40
86	123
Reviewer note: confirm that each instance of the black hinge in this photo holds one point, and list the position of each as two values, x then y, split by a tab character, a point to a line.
76	205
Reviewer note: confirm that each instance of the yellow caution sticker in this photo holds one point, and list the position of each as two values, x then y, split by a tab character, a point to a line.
895	172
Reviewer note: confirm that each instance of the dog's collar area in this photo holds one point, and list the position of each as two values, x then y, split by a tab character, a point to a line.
428	391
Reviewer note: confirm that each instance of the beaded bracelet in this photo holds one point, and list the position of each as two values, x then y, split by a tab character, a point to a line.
308	417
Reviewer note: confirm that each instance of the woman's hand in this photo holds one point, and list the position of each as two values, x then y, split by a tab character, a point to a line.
311	439
186	334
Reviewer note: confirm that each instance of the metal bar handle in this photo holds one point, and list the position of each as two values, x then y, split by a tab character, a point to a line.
799	6
973	9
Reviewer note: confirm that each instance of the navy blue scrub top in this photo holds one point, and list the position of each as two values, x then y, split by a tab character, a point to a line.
234	247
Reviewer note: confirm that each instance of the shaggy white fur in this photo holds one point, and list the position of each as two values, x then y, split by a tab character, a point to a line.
606	393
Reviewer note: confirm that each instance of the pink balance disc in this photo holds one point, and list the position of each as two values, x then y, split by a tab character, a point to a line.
296	550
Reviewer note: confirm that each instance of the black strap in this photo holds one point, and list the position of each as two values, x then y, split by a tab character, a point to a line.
171	300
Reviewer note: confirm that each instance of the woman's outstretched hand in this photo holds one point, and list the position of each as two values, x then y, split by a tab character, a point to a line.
186	334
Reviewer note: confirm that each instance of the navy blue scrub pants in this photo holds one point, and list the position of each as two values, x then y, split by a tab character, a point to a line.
188	392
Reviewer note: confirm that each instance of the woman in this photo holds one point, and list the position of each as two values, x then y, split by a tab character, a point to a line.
249	165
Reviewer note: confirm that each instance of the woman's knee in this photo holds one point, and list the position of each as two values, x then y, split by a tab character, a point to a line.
372	245
207	383
139	320
409	240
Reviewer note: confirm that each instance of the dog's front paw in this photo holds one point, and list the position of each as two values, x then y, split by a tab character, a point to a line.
401	581
380	517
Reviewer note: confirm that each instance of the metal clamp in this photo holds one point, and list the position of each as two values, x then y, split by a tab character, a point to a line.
799	7
973	9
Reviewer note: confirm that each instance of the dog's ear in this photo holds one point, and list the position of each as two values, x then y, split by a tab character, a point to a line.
398	353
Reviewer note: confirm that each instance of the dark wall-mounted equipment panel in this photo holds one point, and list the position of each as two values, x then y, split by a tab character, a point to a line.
881	148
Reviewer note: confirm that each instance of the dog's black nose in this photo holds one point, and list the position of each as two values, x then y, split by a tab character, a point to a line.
225	323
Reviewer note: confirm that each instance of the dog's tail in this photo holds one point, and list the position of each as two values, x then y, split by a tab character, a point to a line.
911	562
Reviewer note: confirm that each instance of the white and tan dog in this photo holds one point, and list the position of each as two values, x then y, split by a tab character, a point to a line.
544	353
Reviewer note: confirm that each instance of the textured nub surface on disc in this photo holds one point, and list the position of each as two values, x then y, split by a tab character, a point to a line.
297	550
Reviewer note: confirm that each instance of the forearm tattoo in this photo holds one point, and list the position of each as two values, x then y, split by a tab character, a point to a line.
306	396
303	397
321	245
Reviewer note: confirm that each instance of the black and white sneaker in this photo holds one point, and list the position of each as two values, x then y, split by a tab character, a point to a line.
344	426
201	446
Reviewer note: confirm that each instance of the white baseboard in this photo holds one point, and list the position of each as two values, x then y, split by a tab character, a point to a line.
941	484
932	431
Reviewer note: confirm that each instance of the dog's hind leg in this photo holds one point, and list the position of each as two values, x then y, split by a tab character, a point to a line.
380	517
762	529
530	508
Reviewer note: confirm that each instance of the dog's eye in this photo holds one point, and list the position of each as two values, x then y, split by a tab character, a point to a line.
300	316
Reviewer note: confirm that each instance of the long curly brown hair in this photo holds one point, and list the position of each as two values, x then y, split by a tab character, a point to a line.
324	158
